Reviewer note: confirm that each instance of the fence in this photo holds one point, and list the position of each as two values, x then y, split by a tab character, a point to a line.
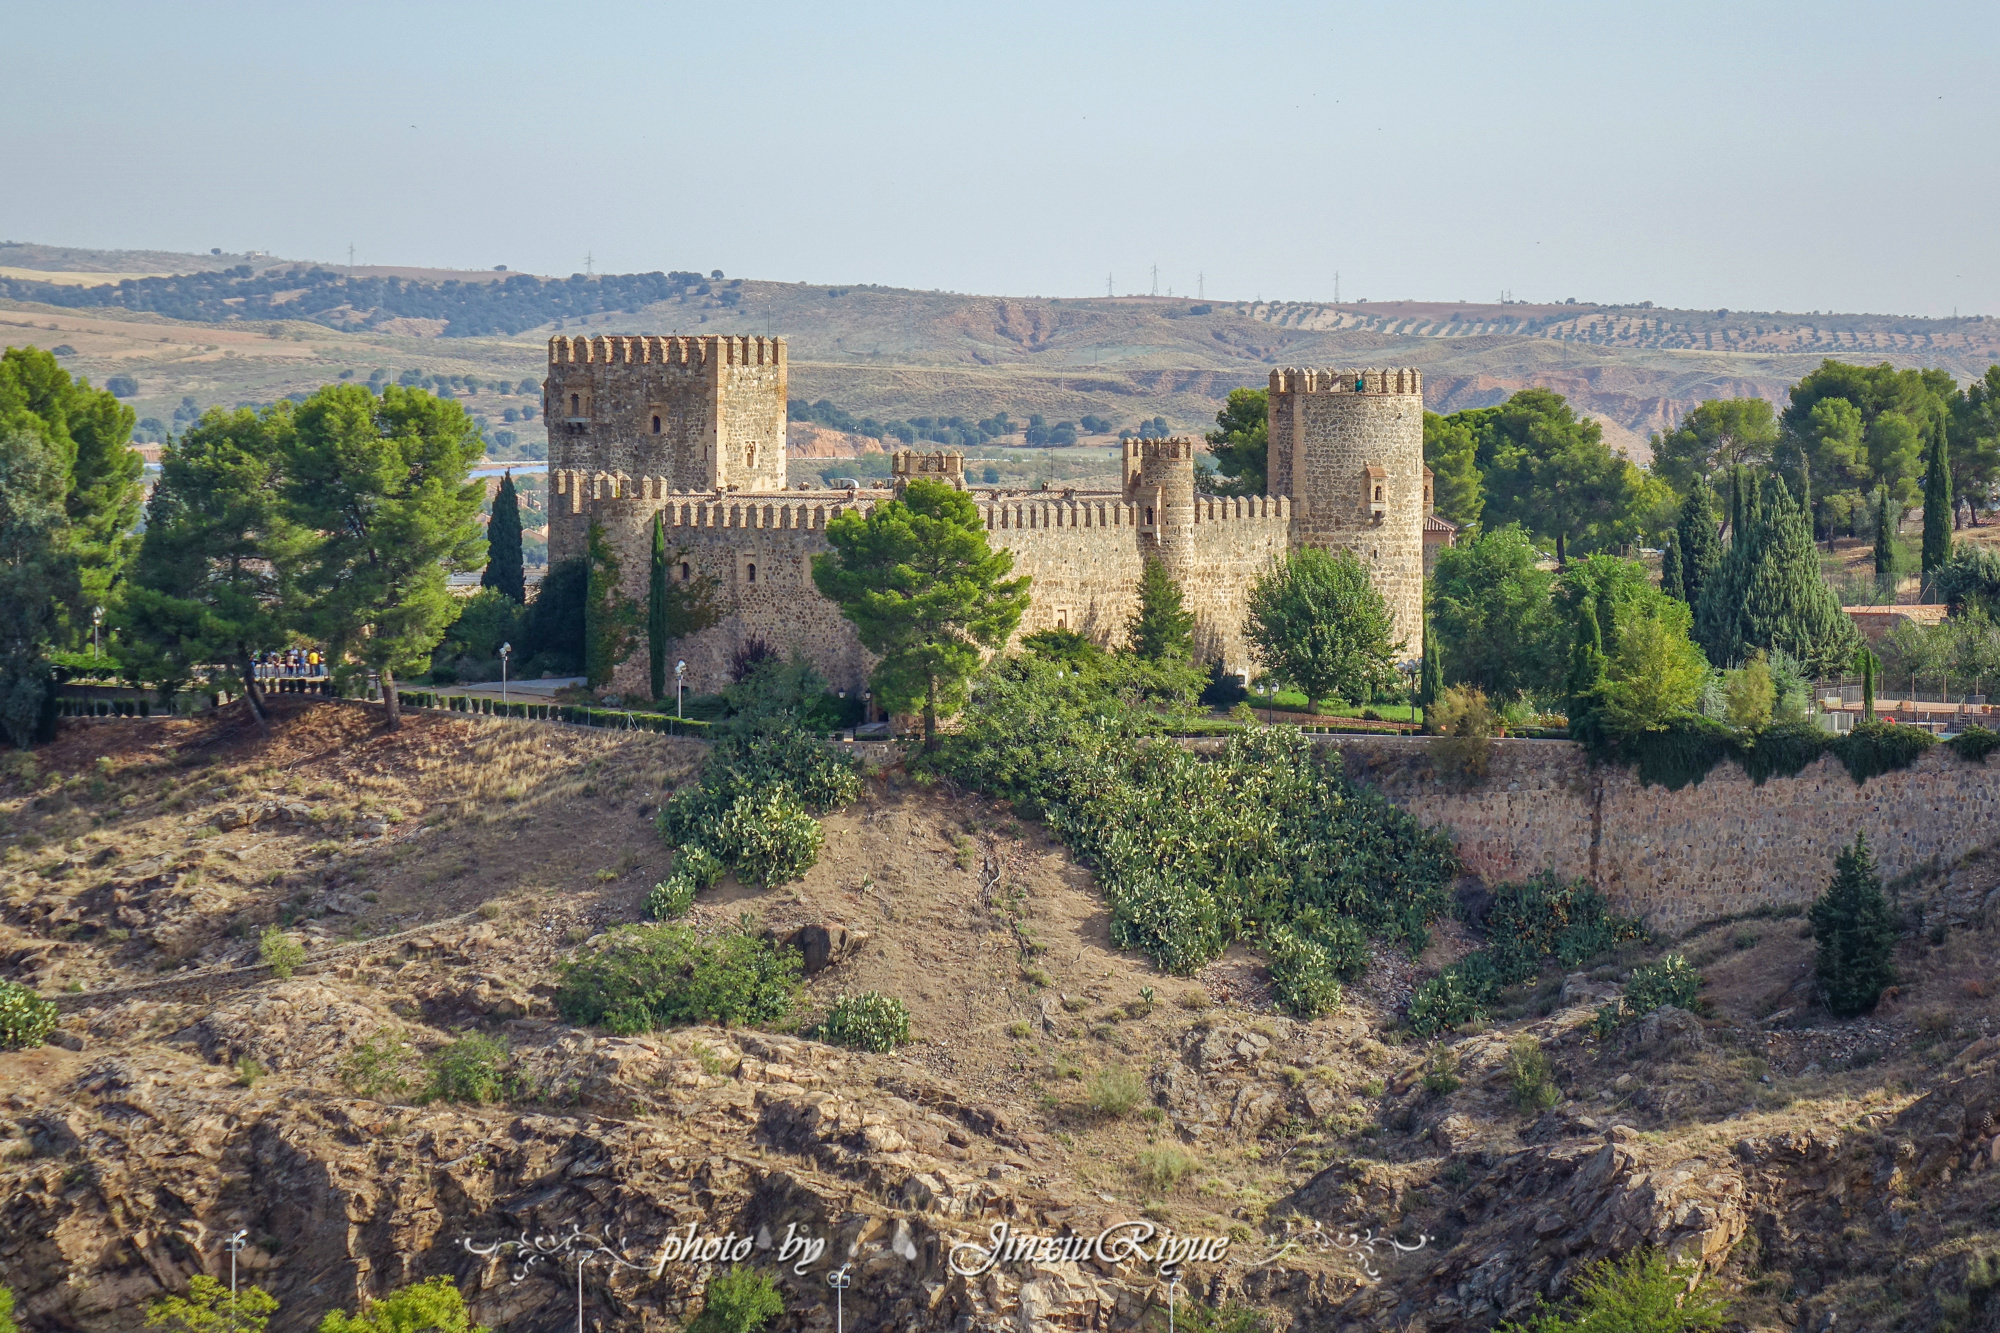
576	715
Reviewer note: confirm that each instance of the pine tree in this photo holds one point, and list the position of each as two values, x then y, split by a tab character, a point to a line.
656	611
1937	505
1855	930
1161	630
1670	569
503	544
1700	547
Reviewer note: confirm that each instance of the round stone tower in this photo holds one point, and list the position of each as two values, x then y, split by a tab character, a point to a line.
1159	481
1348	447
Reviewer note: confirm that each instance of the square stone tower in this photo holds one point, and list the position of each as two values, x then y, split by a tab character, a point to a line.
1348	447
704	414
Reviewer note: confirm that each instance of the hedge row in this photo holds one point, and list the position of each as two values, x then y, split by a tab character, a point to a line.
575	714
1686	751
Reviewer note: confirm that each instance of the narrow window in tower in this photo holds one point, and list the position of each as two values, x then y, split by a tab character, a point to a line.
1149	516
686	572
751	570
575	405
750	456
656	423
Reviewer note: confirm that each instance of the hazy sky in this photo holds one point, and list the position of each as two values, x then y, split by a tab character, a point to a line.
1756	156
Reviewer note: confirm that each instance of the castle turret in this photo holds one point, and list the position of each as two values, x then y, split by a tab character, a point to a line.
1159	481
939	465
1348	447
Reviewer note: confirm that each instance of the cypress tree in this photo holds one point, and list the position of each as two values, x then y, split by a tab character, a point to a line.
1585	680
1670	569
1867	685
503	544
1161	630
1855	930
1430	681
657	608
1768	592
1885	539
1700	546
1937	505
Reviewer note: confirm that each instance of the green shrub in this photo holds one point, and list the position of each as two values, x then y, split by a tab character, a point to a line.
1784	750
1672	980
1441	1072
1974	744
695	869
739	1301
211	1307
1855	930
471	1069
1114	1091
280	952
1445	1001
1875	748
431	1306
378	1068
1638	1293
870	1021
1161	1169
1680	754
647	977
7	1324
1546	917
26	1019
1309	959
1530	1078
769	839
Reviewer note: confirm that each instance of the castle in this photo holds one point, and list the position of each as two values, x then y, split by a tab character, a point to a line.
693	428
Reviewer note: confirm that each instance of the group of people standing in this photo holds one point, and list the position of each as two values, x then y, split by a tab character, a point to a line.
290	664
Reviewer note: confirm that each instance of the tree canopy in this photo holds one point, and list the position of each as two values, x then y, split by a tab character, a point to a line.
925	592
503	544
1768	593
1492	614
1319	624
1719	434
37	574
1160	629
1240	445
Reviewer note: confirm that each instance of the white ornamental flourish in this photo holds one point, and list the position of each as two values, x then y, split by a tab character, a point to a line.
1360	1248
575	1246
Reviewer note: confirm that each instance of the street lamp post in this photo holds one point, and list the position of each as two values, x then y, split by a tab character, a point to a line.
1412	669
96	619
233	1243
506	651
1173	1286
680	677
840	1279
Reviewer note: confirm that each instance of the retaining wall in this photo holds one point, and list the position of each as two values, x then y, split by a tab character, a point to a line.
1717	848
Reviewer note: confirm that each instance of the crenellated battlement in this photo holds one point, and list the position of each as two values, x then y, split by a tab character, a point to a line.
940	464
711	350
1292	379
1177	449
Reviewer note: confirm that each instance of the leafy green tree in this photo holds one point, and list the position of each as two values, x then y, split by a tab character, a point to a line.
1451	452
1639	1293
1970	580
1319	623
1655	676
610	618
925	592
1975	446
1240	445
554	626
1670	569
38	572
209	586
1160	630
503	544
1699	545
210	1307
1549	470
1938	507
1859	428
431	1306
1855	931
739	1301
1491	610
1768	592
1720	433
88	431
1749	694
1585	682
382	482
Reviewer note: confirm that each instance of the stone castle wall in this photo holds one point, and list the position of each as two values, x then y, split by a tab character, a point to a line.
1717	848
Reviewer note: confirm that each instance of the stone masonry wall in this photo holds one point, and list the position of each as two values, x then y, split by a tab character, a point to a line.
1720	847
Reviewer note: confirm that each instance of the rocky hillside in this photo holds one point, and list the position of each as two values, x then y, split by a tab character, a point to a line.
1830	1174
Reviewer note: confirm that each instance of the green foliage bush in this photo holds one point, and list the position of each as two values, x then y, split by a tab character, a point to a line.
1310	957
471	1069
870	1021
431	1306
26	1019
647	977
1855	930
211	1307
1530	1078
1114	1091
739	1301
1445	1001
695	869
1672	980
1638	1293
1194	852
769	838
1974	744
280	952
1875	748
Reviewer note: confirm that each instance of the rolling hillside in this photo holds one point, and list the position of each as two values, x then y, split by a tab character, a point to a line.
233	328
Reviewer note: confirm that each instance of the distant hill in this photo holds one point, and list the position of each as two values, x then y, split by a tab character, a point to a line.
231	329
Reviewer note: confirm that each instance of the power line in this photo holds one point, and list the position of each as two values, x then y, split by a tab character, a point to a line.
1156	279
1107	284
1200	286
